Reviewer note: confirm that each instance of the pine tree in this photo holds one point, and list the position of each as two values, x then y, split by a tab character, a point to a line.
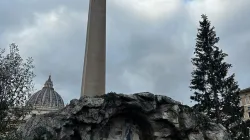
214	91
204	82
232	112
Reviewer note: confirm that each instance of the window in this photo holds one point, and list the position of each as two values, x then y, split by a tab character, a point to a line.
248	107
247	100
248	114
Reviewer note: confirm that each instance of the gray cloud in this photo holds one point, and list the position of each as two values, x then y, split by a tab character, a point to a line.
144	53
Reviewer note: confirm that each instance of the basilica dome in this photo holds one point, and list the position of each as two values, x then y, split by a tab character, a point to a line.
46	98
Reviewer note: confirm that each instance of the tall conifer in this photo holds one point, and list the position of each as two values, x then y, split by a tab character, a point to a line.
215	93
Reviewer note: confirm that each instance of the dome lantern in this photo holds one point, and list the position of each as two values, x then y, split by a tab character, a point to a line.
49	83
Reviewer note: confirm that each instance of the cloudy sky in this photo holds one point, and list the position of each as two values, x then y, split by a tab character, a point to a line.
149	42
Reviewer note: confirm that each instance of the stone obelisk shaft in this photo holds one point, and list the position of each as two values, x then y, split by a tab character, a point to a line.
93	80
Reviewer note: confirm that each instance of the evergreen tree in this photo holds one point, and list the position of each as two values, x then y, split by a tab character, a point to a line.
215	92
232	112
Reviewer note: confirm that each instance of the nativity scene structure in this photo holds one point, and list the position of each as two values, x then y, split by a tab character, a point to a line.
100	116
140	116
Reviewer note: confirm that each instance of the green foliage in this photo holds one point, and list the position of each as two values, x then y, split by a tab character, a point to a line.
15	85
215	93
202	121
110	98
42	134
241	130
12	135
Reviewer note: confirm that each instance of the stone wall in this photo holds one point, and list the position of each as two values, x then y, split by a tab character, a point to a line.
39	111
141	116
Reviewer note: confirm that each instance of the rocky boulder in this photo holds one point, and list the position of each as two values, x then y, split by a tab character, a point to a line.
140	116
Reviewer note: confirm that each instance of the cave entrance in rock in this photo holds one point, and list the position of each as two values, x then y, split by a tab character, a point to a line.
126	126
76	136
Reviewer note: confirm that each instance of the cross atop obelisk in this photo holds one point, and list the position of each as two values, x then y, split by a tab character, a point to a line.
93	80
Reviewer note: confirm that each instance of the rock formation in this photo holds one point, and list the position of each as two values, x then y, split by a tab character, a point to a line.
140	116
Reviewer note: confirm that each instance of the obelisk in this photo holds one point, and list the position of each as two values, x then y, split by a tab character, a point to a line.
94	69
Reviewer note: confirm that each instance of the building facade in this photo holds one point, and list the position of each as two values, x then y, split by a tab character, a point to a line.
245	102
